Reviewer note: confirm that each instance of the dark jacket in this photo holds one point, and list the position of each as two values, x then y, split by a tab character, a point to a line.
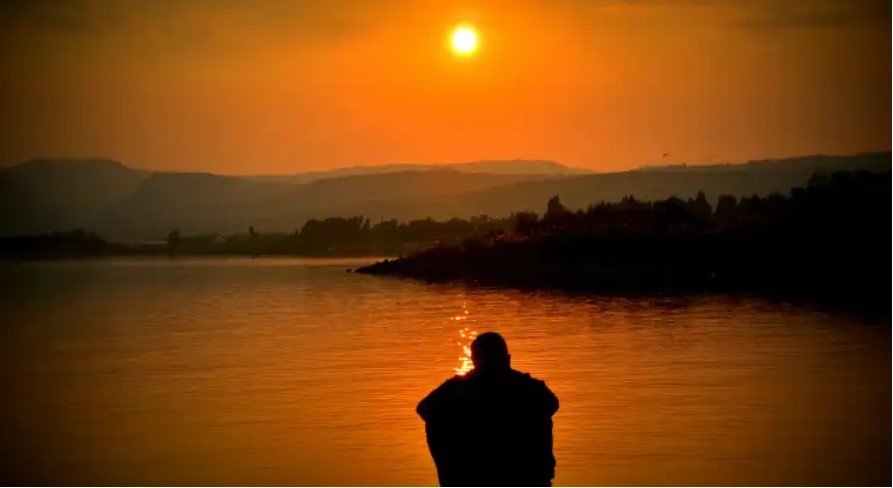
491	429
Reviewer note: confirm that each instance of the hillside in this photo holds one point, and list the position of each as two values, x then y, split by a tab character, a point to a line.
194	203
509	167
758	177
44	195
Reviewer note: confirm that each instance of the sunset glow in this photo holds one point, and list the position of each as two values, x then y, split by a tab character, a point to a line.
429	243
285	87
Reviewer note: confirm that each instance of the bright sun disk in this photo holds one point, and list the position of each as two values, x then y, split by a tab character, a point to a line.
464	40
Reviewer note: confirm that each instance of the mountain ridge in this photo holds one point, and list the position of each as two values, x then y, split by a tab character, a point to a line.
128	204
512	166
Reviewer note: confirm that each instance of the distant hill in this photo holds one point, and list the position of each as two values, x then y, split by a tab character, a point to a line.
868	161
44	195
205	203
202	203
756	177
124	204
506	167
194	203
401	185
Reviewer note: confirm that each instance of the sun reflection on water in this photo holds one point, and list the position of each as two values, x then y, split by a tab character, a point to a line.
466	336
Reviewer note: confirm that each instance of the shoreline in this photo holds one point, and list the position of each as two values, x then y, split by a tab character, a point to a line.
873	306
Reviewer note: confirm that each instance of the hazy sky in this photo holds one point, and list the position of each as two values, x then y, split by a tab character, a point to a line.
258	86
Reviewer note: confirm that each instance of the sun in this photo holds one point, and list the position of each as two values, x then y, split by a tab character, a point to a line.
465	40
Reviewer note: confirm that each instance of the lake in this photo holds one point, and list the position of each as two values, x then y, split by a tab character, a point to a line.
292	371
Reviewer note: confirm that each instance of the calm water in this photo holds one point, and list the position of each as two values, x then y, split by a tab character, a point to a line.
295	372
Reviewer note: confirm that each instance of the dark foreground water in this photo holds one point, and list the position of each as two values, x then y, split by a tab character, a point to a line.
259	372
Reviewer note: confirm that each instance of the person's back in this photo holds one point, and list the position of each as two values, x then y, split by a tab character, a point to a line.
493	426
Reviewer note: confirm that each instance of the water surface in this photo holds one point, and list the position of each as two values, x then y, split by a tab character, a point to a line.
288	371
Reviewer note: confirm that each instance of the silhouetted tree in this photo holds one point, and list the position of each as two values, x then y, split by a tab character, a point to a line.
699	209
555	210
819	179
525	223
726	209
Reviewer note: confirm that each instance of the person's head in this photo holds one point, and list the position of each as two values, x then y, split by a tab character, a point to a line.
489	352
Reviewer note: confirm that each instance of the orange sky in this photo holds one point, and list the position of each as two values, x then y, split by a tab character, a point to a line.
267	86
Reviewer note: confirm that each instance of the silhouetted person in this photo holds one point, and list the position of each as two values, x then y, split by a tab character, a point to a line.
493	426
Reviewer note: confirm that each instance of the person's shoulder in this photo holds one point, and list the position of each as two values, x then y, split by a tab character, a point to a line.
537	388
527	378
443	393
456	381
524	376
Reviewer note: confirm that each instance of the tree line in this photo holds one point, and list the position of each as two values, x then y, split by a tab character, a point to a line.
845	202
839	199
829	239
317	237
